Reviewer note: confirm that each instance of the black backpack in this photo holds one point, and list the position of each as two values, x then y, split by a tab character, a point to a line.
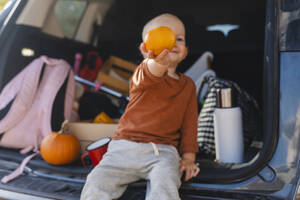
250	111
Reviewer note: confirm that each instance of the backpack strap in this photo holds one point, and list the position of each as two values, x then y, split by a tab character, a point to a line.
69	96
201	90
17	172
22	89
70	90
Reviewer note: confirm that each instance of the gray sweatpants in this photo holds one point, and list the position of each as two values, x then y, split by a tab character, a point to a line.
126	162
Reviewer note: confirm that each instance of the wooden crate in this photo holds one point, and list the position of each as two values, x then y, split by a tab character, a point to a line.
123	71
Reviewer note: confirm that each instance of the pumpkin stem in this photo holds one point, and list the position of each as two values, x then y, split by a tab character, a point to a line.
64	127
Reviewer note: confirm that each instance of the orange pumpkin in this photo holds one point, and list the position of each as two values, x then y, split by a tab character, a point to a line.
159	39
59	148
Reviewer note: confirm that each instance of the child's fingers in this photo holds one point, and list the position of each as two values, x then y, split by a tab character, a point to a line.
182	168
188	174
163	54
191	170
161	57
150	54
144	51
143	47
195	171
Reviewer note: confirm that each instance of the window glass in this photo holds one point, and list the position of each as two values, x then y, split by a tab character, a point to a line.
69	13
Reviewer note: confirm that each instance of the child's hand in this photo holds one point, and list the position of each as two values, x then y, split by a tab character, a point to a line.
187	165
161	59
157	65
146	54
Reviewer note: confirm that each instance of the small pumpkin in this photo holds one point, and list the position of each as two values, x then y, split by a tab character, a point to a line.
60	148
159	39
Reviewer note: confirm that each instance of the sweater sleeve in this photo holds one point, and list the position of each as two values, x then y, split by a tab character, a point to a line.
188	143
143	78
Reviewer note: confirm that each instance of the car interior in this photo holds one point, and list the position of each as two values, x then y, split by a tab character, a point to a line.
113	28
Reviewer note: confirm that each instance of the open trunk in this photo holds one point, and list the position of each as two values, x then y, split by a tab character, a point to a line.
115	29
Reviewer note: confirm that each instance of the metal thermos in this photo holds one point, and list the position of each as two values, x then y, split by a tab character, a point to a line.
228	128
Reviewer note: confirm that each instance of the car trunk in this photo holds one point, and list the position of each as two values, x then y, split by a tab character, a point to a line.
238	56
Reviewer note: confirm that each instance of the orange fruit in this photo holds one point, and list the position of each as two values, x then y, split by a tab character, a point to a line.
159	39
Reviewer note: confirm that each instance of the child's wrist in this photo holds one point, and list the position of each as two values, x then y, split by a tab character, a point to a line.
188	160
152	61
189	156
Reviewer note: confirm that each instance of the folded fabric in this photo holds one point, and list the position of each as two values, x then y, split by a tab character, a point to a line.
200	66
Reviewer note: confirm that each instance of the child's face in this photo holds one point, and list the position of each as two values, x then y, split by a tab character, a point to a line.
179	52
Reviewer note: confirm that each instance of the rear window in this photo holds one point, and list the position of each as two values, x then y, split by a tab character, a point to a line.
68	14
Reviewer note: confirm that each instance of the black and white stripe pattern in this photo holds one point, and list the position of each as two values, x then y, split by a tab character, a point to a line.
248	104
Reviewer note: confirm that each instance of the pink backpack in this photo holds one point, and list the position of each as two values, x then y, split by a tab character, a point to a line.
28	120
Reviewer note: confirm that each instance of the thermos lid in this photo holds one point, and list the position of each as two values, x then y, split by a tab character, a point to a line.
224	98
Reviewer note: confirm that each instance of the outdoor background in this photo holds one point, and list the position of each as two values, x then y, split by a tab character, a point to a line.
2	3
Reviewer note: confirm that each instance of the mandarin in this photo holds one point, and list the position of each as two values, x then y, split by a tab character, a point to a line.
159	39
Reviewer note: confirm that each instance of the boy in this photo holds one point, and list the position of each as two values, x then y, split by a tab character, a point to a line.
160	117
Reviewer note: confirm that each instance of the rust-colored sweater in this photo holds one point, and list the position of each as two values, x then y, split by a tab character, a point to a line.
162	110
